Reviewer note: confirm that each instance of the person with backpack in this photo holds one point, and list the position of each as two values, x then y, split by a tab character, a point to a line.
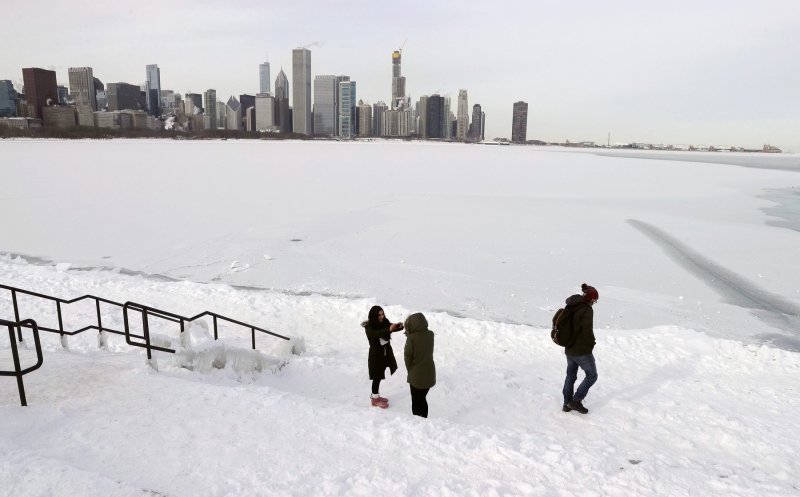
418	356
381	356
574	327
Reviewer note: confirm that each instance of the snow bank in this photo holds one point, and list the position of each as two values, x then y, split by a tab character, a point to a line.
675	412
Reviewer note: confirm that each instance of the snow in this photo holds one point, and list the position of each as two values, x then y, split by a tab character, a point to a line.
697	376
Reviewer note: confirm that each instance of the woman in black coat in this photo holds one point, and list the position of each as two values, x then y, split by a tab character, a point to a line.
381	356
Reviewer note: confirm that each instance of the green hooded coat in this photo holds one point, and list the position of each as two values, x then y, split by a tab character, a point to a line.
418	353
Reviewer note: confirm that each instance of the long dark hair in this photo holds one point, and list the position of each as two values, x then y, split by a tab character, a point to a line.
372	317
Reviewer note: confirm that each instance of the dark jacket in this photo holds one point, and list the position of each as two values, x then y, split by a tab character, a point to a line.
418	353
380	356
582	324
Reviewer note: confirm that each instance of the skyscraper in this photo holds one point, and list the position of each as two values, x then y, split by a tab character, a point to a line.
8	97
210	109
476	128
282	116
265	112
434	120
197	100
233	114
263	78
462	116
446	134
422	116
398	82
326	104
519	123
364	119
154	90
41	89
301	90
347	108
82	87
123	96
378	110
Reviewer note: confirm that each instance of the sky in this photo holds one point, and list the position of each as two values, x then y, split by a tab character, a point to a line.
681	72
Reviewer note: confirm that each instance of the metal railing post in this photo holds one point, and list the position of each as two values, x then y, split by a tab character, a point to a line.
16	314
61	325
253	329
17	367
215	327
146	333
101	337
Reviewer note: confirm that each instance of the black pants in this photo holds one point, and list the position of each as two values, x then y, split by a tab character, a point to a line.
419	406
376	386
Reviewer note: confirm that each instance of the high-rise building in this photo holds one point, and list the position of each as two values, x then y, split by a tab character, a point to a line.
197	100
41	89
82	89
63	95
247	101
263	79
364	119
435	117
398	82
378	110
233	114
301	91
326	104
265	113
519	123
446	118
8	99
476	128
462	116
122	96
422	116
210	109
282	116
154	90
347	109
170	101
222	114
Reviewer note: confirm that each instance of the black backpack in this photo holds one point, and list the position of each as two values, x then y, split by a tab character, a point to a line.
563	332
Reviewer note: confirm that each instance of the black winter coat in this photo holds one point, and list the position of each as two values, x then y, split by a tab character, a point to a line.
582	325
380	356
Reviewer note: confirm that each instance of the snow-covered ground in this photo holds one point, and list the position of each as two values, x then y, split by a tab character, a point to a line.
697	322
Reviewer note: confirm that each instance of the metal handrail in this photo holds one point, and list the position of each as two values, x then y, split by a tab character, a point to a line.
147	311
18	371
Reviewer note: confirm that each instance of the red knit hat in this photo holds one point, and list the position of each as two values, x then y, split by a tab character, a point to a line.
589	293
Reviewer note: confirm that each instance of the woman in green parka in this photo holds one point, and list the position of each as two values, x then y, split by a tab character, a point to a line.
381	356
418	356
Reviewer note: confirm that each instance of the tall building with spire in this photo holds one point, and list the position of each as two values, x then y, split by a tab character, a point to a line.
282	116
263	78
301	91
462	116
398	82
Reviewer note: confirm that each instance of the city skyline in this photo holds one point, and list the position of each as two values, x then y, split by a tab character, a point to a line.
710	73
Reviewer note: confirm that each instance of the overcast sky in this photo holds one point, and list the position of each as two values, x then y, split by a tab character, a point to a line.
691	72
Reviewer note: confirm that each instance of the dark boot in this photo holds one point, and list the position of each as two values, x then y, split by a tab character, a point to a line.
576	405
565	408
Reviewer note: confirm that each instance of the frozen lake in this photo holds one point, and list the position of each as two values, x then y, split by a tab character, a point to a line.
495	233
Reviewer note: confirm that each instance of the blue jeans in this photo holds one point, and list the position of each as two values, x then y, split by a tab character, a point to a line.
586	363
